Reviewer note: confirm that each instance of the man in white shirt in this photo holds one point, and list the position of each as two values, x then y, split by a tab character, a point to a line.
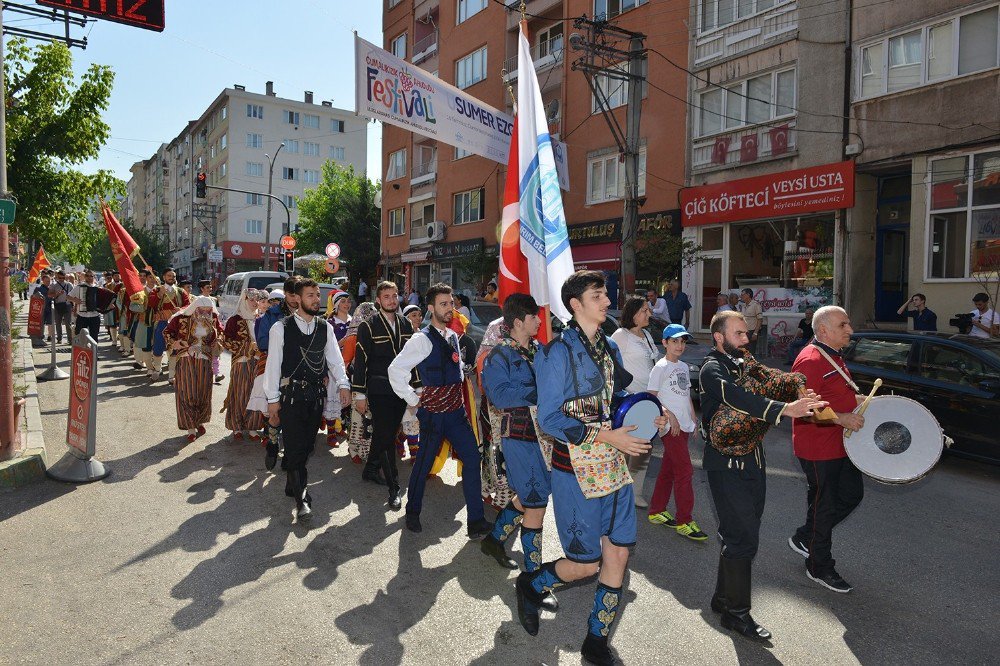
436	355
657	305
362	291
296	377
84	297
985	321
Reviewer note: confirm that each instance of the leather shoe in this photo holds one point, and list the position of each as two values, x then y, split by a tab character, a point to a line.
490	546
413	522
395	499
372	476
743	624
479	528
527	604
271	454
549	602
595	650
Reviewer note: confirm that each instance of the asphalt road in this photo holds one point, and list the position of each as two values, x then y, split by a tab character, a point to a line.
188	554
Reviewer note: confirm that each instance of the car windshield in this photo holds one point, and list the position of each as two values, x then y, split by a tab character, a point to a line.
484	313
259	282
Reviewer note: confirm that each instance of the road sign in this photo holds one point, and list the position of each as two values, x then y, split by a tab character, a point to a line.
332	266
287	243
215	256
333	250
7	209
146	14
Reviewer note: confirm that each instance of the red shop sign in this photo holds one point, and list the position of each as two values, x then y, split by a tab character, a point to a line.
247	250
826	187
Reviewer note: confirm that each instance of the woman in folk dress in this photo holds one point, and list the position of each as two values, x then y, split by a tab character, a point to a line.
239	341
193	334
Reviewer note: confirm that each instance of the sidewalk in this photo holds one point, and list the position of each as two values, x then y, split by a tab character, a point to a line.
28	466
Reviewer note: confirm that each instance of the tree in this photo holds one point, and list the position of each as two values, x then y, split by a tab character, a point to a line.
151	246
342	210
479	268
664	254
53	124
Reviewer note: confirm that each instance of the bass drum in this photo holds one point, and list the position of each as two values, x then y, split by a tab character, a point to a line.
900	443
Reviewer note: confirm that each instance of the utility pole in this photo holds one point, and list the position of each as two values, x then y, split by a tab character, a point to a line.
267	226
600	42
7	425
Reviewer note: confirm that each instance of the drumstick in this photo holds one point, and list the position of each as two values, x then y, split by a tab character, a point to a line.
864	405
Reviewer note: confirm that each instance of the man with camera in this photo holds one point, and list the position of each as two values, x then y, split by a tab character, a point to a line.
985	321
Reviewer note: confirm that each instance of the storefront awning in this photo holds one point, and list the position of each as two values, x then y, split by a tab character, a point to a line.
412	257
597	257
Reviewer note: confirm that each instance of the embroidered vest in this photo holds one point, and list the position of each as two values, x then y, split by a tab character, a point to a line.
439	368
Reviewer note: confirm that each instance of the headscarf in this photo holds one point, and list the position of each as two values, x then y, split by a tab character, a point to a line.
364	312
410	308
341	295
246	308
197	302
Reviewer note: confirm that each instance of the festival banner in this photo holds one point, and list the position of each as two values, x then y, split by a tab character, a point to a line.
394	91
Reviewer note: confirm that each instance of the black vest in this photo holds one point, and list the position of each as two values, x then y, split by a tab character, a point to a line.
304	356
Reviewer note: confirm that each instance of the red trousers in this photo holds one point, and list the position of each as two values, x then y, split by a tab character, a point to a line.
675	476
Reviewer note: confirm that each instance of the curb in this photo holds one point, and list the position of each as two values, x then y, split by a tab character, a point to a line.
28	466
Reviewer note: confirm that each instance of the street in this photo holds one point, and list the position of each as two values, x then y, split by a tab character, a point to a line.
188	553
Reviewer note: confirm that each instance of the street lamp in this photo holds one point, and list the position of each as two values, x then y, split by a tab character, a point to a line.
267	227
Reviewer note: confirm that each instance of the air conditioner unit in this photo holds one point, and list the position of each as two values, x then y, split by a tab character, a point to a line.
435	230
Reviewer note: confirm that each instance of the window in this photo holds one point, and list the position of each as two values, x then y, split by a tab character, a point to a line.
469	8
397	165
255	199
255	111
255	169
211	152
606	177
471	69
917	57
756	100
470	206
336	152
224	142
290	201
393	3
964	231
224	112
883	354
289	173
311	121
614	89
397	222
222	170
337	125
714	14
461	152
291	145
612	8
255	140
254	227
290	117
398	46
310	149
952	365
310	176
550	40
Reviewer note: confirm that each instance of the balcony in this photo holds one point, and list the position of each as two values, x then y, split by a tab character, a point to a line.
424	173
418	233
544	54
776	24
425	48
706	156
536	7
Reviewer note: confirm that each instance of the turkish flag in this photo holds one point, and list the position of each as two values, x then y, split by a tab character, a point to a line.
779	139
720	150
748	148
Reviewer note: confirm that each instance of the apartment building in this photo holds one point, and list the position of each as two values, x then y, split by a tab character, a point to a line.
236	142
925	85
441	204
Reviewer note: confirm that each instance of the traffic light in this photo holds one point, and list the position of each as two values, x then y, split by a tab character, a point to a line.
289	261
199	186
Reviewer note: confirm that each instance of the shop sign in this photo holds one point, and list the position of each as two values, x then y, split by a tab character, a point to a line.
821	188
249	251
611	230
457	249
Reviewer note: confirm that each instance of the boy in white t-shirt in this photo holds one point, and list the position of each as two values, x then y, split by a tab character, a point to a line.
670	382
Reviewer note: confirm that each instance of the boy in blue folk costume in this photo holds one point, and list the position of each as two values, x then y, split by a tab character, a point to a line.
581	371
509	384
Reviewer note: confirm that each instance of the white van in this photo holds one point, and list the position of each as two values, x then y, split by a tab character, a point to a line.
229	297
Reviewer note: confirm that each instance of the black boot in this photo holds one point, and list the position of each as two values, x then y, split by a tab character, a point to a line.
719	602
528	602
492	547
391	476
737	591
595	650
370	473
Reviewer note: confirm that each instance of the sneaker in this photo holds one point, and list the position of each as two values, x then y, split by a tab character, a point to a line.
798	546
662	518
831	580
691	531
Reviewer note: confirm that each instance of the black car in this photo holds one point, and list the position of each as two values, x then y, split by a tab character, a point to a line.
957	377
483	312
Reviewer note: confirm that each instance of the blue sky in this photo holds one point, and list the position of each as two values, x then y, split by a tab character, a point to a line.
162	80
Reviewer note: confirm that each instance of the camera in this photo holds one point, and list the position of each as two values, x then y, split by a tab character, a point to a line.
962	321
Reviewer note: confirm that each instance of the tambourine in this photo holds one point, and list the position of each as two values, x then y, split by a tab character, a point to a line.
637	409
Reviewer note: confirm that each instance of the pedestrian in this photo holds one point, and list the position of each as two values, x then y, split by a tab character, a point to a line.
205	289
639	354
43	292
84	297
985	321
413	298
112	316
734	301
435	353
238	340
303	360
362	291
380	341
722	303
164	301
753	317
21	276
670	382
591	489
916	309
144	328
408	444
657	306
341	321
802	336
59	292
491	295
835	484
463	305
509	383
192	335
737	472
359	439
678	304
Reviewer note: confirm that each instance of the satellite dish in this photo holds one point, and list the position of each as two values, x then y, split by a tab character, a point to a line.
378	199
552	111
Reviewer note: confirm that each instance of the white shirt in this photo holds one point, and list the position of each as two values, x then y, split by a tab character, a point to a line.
416	349
988	318
672	382
81	308
638	355
275	352
362	289
659	308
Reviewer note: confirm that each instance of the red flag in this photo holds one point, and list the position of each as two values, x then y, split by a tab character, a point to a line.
748	148
124	248
41	261
779	139
720	150
512	276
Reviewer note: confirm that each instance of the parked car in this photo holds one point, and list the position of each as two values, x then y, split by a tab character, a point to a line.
957	377
229	294
483	312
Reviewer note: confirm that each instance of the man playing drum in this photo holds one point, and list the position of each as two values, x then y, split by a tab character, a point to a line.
835	485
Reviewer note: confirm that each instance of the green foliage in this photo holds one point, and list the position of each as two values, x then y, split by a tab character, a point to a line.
342	210
151	247
317	271
53	124
479	268
664	254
